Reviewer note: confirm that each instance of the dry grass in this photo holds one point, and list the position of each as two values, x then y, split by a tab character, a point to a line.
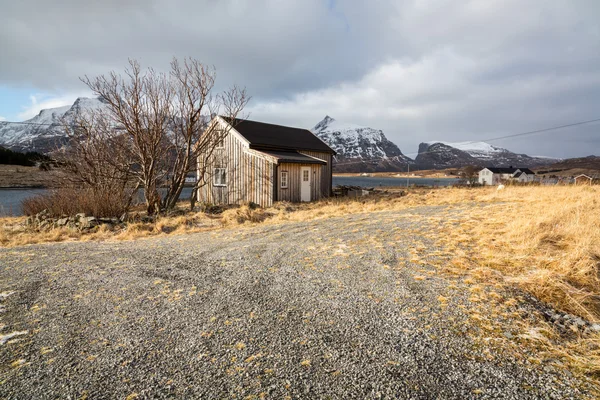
544	239
12	234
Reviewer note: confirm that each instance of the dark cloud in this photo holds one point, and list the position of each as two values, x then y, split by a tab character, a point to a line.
420	70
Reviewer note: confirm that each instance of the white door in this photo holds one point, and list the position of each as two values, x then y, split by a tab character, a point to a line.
305	183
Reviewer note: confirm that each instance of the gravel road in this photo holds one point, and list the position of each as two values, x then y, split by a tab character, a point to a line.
332	308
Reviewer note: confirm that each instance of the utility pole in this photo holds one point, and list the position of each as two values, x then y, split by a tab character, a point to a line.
408	173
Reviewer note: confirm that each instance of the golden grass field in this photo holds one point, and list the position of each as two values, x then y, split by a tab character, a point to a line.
544	241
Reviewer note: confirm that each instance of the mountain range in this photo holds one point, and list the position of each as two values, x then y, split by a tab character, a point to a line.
363	149
358	148
45	132
440	155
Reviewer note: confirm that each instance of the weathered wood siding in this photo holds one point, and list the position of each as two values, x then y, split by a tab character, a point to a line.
255	176
326	171
292	192
249	175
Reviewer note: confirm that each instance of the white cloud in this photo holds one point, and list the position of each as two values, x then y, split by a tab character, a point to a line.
40	102
2	118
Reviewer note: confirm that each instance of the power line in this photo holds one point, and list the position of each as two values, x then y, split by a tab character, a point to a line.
539	130
491	139
28	123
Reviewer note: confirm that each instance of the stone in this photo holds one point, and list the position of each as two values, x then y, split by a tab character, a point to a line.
79	216
87	222
62	221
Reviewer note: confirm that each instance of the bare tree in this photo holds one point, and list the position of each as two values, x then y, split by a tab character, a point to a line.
471	174
192	135
93	163
154	127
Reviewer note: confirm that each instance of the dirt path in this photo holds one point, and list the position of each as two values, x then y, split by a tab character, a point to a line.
332	308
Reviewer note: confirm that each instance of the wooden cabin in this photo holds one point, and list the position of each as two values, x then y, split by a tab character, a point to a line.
264	163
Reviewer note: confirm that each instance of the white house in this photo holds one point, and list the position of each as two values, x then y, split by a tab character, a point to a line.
495	176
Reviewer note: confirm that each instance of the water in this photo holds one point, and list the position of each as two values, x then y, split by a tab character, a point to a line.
10	199
377	181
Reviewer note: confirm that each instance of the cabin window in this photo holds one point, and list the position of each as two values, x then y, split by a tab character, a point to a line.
305	175
284	179
220	177
220	142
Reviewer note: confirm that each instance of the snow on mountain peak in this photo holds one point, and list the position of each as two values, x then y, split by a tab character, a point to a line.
359	147
473	148
45	132
331	124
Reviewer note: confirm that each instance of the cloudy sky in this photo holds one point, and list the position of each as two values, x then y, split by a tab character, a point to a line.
421	70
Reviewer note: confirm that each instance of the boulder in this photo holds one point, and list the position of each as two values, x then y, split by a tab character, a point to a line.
62	221
87	222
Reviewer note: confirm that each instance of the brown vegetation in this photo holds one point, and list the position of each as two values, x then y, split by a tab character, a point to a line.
66	201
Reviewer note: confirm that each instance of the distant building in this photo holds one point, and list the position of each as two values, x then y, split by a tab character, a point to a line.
496	176
583	179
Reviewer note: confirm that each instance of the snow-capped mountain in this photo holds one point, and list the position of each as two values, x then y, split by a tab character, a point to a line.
439	155
45	132
360	148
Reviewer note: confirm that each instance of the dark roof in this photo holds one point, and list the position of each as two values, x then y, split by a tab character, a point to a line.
502	170
518	174
263	136
293	157
527	171
510	170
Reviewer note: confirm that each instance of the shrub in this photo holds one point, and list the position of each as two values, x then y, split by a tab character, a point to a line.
245	213
69	201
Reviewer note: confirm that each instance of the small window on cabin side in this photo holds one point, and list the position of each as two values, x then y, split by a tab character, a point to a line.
220	143
284	179
305	175
220	177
